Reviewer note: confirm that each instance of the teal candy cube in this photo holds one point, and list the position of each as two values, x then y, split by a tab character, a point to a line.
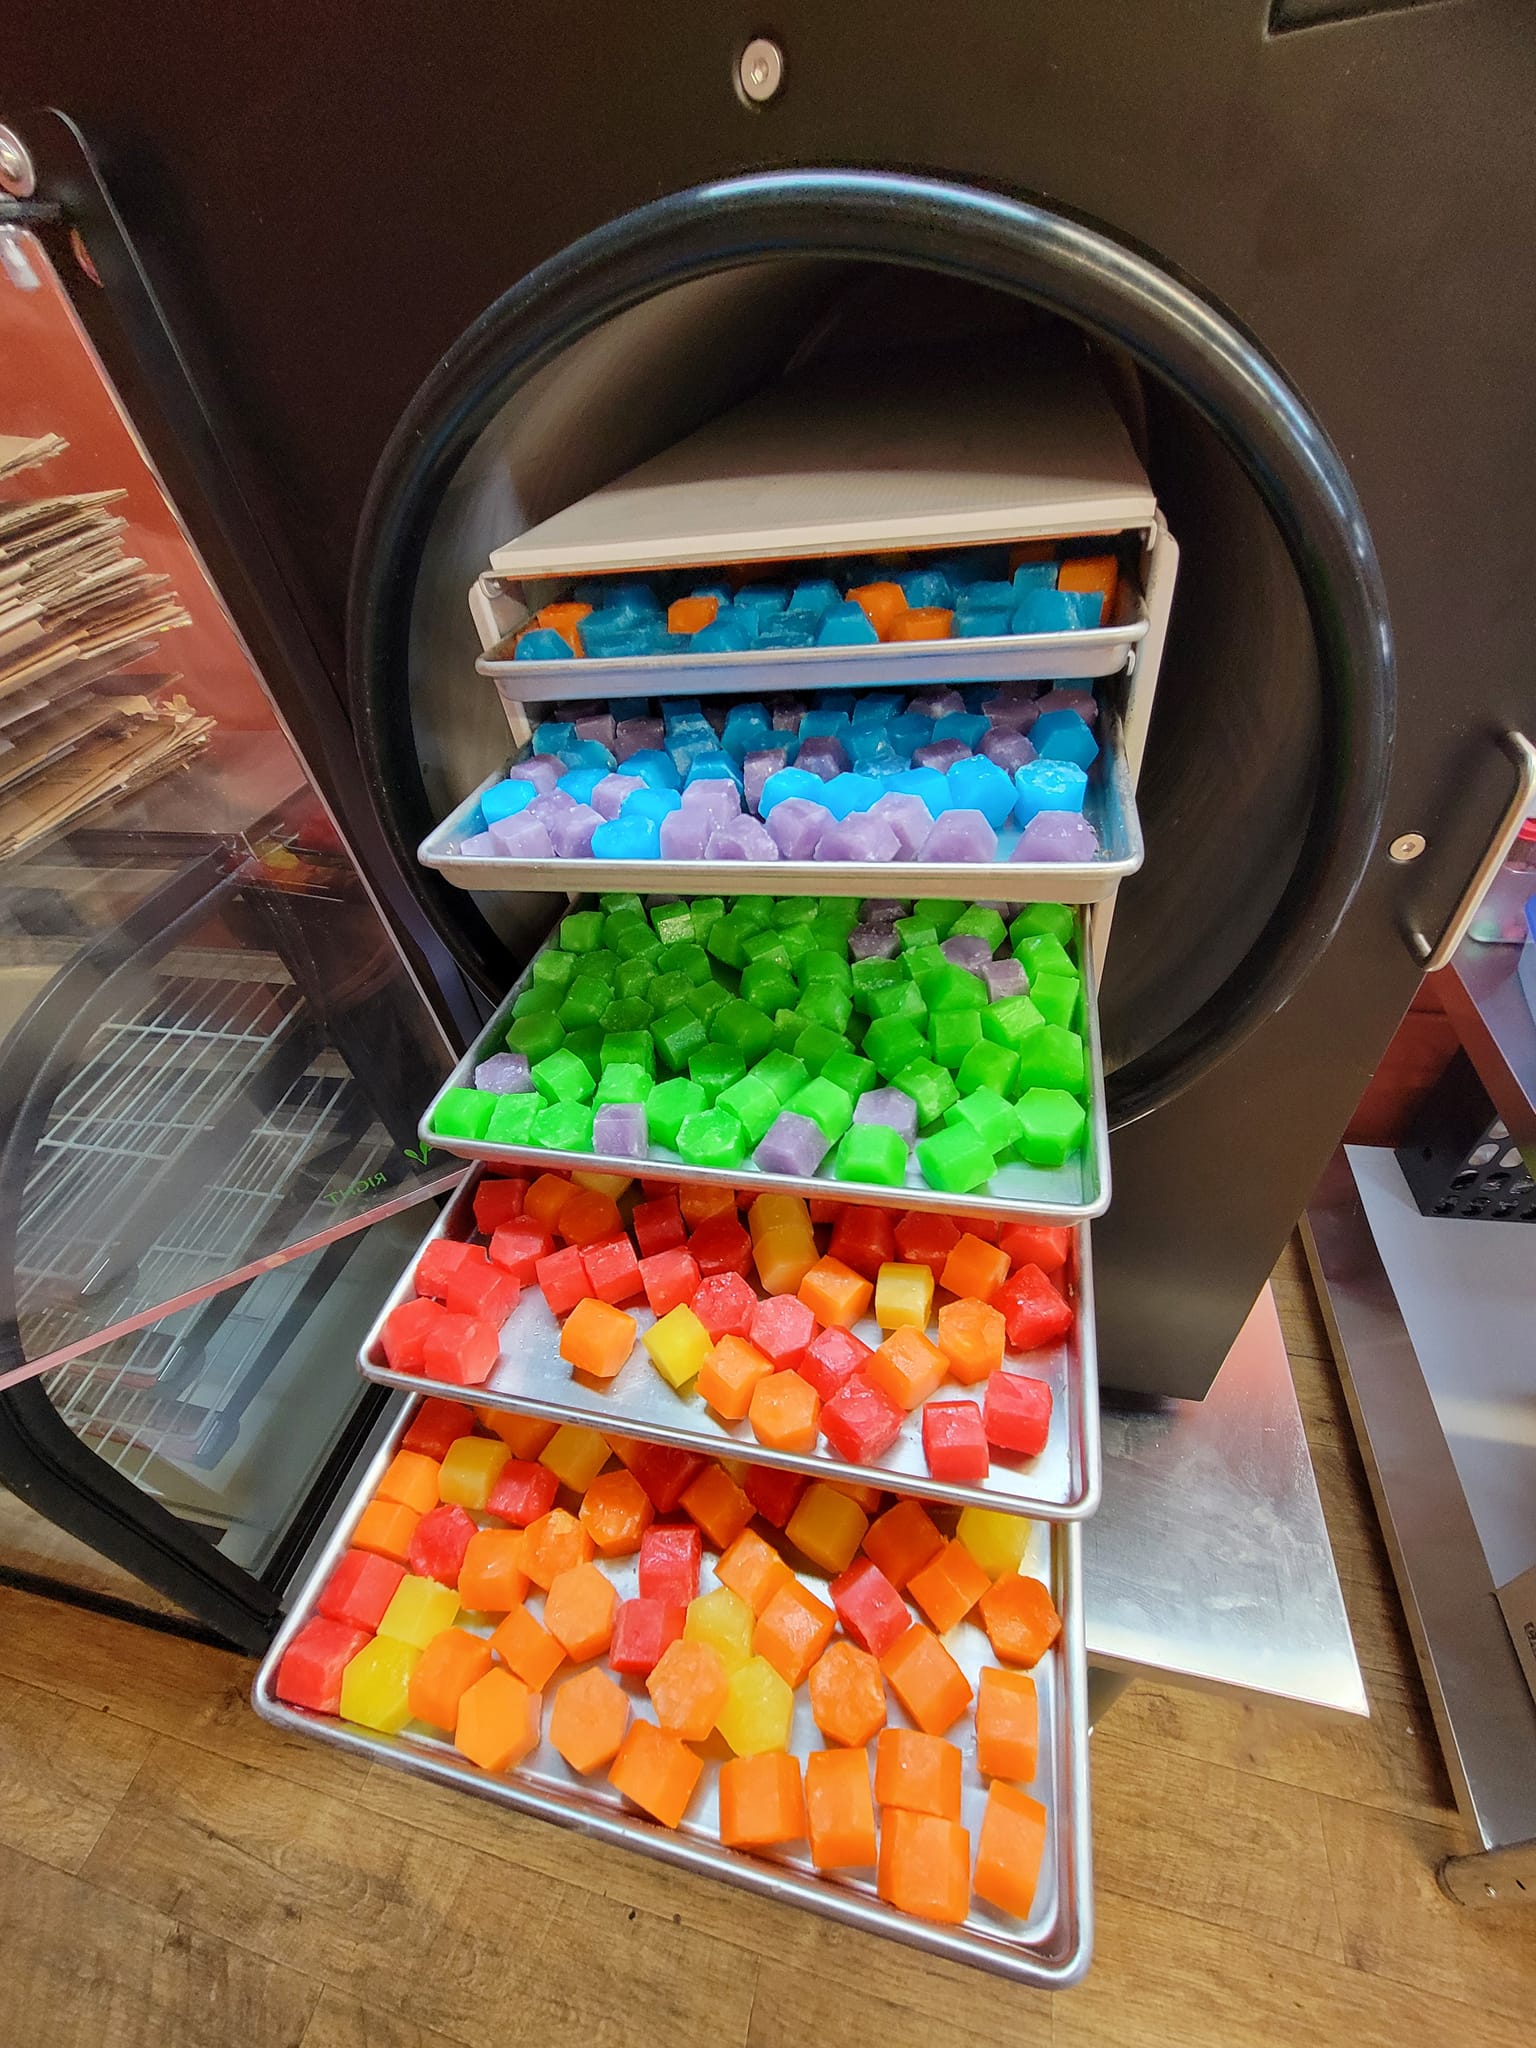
562	1077
829	1107
678	1034
853	1074
712	1137
624	1081
668	1104
752	1102
536	1037
782	1073
988	1066
1051	1126
954	1161
564	1127
512	1119
952	1034
993	1120
872	1153
930	1087
716	1067
463	1113
1052	1057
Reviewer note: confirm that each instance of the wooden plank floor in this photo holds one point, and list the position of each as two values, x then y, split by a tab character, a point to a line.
173	1874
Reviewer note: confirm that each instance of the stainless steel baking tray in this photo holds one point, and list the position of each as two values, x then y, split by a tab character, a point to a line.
531	1377
1051	1949
1063	1194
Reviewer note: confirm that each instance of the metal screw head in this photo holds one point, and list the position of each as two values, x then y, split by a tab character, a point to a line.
760	70
1407	846
17	175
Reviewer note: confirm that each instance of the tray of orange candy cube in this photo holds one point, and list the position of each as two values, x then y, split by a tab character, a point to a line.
838	1696
953	1357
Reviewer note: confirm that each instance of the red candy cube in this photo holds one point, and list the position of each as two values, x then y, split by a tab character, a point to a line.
523	1491
497	1202
438	1263
782	1328
563	1279
863	1239
613	1271
860	1421
721	1244
310	1673
774	1494
955	1441
360	1589
670	1277
438	1545
832	1360
437	1424
462	1350
1016	1414
642	1629
923	1239
1036	1244
1033	1312
869	1607
987	1228
519	1247
824	1208
665	1473
725	1304
658	1225
670	1554
405	1332
477	1288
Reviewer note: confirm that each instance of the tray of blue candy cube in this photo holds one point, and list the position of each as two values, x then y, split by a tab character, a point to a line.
958	791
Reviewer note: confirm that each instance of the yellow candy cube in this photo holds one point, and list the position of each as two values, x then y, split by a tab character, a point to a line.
724	1621
575	1455
678	1344
759	1709
770	1212
998	1542
827	1526
784	1254
903	1295
610	1184
419	1609
469	1470
376	1685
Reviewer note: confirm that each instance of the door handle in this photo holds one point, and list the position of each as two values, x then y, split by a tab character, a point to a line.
1433	957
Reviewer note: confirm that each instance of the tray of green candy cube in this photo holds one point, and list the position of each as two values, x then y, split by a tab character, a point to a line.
945	1051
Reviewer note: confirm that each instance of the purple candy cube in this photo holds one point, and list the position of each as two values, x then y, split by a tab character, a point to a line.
478	846
1004	978
597	725
792	1144
890	1107
960	836
1061	697
620	1129
966	952
757	768
550	805
637	735
941	754
741	838
935	703
571	833
523	837
1008	748
716	797
542	770
873	942
608	797
884	909
1056	835
908	817
796	827
866	838
685	832
504	1073
823	755
787	714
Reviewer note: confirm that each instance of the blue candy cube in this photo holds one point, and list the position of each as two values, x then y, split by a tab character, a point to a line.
726	635
1034	576
762	598
579	783
922	587
713	766
818	596
550	737
720	592
506	799
649	803
587	754
869	748
985	597
632	593
1064	736
653	767
969	727
1048	786
787	782
846	626
980	785
543	643
627	838
845	794
909	732
926	783
788	629
1057	611
825	724
982	625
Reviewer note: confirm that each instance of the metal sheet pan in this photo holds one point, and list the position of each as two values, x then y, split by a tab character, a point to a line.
1062	1484
1110	809
1064	1194
1050	1950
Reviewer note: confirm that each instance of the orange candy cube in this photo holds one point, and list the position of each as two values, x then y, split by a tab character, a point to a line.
546	1198
866	1497
839	1812
386	1527
578	1611
972	1337
699	1202
1010	1849
718	1505
588	1720
923	622
902	1541
553	1544
847	1695
1020	1619
948	1586
616	1511
792	1631
881	603
491	1578
597	1339
656	1772
588	1216
924	1866
1091	572
784	1412
411	1481
729	1375
688	614
525	1436
1007	1725
450	1664
688	1687
917	1772
498	1722
907	1366
927	1680
974	1269
835	1295
762	1800
754	1569
527	1649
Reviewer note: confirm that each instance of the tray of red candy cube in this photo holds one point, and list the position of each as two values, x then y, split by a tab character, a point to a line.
952	1357
867	1708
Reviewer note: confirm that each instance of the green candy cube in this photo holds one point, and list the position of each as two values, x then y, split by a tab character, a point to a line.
977	923
463	1113
716	1067
873	1153
793	910
1051	1126
798	943
743	1027
690	960
628	1048
855	1076
769	987
618	901
817	1044
844	911
668	1104
787	1027
707	912
930	1087
673	924
767	944
585	1001
624	1081
564	1127
536	1037
712	1137
755	912
1036	920
987	1066
955	1161
924	966
954	989
540	998
822	964
829	1107
512	1119
633	978
952	1034
668	992
728	936
893	1043
897	999
636	942
871	974
1009	1021
753	1102
625	1013
993	1120
825	1003
708	997
1050	1056
855	1029
554	967
603	964
1045	955
563	1077
1056	998
781	1072
916	930
587	1044
679	1034
939	912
